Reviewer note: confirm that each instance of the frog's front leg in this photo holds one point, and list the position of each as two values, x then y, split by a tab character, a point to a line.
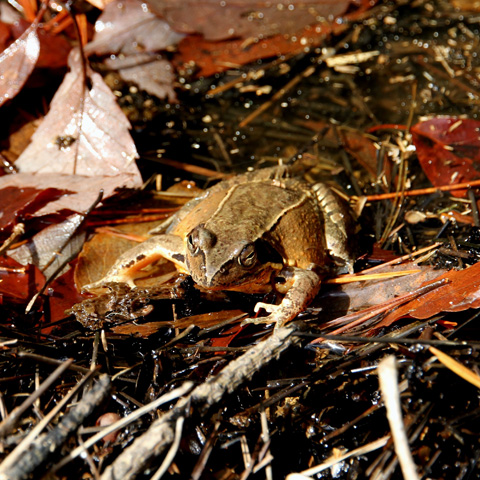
301	287
129	266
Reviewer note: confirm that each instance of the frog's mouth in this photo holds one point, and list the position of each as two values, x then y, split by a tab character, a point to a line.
246	267
257	280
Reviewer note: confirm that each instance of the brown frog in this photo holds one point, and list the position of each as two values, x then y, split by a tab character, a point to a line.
250	233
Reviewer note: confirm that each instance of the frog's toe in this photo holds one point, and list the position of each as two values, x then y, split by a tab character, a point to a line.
258	320
276	315
268	307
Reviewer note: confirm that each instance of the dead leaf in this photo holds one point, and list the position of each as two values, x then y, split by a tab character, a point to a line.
460	293
149	71
54	49
84	133
19	138
210	57
353	297
204	320
17	62
470	5
129	27
358	145
97	256
448	150
4	36
246	18
80	192
18	283
52	246
19	203
62	296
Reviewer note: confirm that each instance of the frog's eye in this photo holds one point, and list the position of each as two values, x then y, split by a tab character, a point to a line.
248	256
193	248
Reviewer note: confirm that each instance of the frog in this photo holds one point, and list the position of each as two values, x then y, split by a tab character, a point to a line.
262	230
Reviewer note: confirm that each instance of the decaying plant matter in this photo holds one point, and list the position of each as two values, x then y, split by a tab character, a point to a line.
382	106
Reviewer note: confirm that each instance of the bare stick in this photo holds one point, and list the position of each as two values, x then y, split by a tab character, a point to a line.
9	423
34	449
123	423
134	459
387	374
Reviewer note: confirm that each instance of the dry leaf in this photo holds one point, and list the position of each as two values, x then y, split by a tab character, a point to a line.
20	203
448	149
246	18
351	297
210	57
82	191
129	27
17	63
52	246
84	133
460	293
18	284
149	71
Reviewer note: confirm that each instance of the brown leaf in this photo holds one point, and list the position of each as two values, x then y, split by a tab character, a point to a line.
127	26
246	18
204	320
52	246
150	72
17	63
103	249
352	297
80	192
355	142
460	293
54	49
97	256
210	57
84	133
448	149
470	5
17	283
4	36
62	296
19	203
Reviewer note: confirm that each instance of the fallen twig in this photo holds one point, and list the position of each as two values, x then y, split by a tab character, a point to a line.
156	440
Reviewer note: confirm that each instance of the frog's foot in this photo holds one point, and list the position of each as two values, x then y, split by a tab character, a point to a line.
278	314
303	287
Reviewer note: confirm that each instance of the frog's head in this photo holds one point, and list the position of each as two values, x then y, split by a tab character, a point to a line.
229	263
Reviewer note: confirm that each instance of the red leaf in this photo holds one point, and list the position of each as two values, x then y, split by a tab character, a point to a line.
54	49
245	18
63	295
17	282
17	63
460	293
20	202
5	35
448	150
211	57
79	194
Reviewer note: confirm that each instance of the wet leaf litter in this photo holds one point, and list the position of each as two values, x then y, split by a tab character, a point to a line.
305	399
